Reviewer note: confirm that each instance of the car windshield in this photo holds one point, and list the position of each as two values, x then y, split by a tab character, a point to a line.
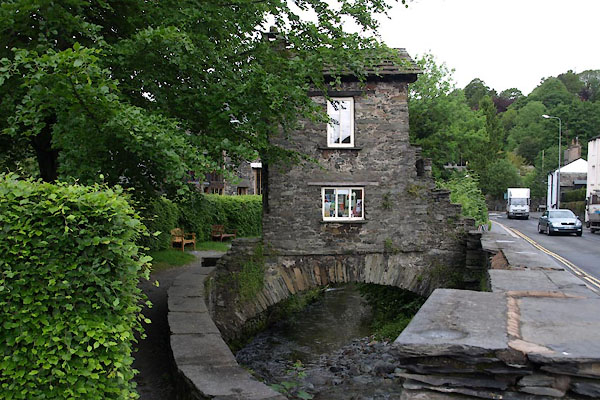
518	202
561	214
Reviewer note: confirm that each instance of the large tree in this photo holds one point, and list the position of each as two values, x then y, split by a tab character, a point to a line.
477	90
143	92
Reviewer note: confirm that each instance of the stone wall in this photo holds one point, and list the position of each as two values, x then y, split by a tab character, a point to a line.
403	210
401	204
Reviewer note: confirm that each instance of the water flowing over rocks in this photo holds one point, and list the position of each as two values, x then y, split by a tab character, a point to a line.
364	369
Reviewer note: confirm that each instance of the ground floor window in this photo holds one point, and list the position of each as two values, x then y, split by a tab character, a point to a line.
343	203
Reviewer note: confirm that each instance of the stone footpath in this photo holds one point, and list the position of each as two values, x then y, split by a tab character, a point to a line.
206	368
536	335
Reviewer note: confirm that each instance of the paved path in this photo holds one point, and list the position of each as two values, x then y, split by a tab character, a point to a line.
153	358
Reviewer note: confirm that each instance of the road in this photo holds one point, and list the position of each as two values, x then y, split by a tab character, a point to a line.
581	253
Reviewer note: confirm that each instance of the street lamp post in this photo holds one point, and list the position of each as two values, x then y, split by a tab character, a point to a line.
559	151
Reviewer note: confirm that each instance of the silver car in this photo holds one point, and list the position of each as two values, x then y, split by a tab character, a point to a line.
559	221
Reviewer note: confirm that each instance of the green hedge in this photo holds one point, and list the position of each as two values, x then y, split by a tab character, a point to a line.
160	215
573	195
578	207
198	212
69	301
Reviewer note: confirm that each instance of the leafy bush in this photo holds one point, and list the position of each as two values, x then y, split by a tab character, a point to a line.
161	215
69	302
574	195
578	207
464	190
198	212
393	308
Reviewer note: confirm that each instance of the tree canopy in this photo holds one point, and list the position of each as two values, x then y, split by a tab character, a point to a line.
143	93
501	137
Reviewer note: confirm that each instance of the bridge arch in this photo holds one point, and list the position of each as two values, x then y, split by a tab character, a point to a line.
286	275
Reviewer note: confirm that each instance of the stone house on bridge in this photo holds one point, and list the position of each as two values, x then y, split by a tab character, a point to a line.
371	199
369	210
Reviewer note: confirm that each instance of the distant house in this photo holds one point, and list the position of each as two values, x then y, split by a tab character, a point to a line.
572	176
248	180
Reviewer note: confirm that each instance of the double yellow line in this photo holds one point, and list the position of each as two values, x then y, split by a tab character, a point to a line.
574	268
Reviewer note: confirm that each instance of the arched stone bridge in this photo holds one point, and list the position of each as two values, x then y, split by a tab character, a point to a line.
232	305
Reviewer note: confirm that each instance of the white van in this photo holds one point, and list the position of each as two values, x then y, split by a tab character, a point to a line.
517	203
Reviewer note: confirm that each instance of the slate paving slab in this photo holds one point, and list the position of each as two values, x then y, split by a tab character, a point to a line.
569	327
504	280
457	321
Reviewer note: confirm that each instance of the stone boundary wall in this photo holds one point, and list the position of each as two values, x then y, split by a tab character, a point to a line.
206	367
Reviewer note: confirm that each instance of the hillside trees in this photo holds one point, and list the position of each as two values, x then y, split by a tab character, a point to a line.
475	91
440	119
143	92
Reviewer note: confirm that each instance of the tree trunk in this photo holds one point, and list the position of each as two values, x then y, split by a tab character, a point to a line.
47	157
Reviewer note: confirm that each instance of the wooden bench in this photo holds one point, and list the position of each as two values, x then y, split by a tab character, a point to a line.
180	238
218	232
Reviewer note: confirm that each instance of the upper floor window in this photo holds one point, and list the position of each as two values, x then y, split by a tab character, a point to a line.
343	204
340	129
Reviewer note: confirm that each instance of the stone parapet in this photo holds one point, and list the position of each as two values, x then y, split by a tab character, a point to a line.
206	367
533	337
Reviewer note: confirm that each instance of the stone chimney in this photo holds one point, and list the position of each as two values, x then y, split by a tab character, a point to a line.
573	152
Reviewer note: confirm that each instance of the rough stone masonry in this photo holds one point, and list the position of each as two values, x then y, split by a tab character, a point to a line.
410	235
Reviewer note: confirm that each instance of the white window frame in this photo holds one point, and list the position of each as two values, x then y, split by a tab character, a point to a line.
350	216
332	112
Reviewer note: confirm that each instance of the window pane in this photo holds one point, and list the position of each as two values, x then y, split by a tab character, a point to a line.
357	203
346	121
329	203
333	111
343	202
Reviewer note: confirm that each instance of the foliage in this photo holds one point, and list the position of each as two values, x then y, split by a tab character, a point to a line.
393	308
250	278
146	92
506	98
573	195
160	216
475	91
441	121
69	300
500	175
198	212
166	259
290	388
464	190
464	127
578	207
552	92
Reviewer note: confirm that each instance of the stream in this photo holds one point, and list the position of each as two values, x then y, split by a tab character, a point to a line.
326	351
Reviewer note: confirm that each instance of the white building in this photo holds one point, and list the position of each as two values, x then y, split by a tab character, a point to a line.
593	173
572	176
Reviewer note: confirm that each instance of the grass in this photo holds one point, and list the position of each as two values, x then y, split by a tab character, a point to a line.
215	246
166	259
171	258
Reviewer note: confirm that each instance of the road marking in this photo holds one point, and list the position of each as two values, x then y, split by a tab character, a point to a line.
506	229
574	268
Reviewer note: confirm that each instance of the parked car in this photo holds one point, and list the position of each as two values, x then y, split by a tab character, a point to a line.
559	221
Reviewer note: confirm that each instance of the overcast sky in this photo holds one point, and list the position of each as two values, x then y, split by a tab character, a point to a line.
506	43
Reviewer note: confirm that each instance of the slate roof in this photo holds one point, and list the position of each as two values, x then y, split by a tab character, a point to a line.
387	68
